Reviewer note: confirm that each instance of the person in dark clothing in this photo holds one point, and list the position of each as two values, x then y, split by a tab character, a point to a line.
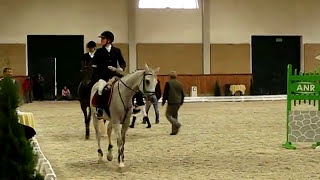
27	89
105	57
173	93
154	101
88	57
8	73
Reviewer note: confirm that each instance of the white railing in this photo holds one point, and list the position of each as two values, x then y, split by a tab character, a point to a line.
234	98
43	165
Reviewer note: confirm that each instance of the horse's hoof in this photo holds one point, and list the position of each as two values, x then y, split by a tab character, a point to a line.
109	157
148	127
87	137
100	161
121	165
131	126
100	154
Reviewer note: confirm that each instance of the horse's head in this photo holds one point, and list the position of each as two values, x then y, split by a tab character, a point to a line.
149	81
87	71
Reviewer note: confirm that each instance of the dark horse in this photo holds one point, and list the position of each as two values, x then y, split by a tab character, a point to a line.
84	90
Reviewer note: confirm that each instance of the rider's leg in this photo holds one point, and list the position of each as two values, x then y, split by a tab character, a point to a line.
102	84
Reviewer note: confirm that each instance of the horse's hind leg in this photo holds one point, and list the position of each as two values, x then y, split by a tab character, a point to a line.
96	124
110	147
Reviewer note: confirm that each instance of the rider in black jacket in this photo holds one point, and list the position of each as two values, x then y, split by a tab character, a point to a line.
106	56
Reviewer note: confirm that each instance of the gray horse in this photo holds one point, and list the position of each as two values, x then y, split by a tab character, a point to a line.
121	108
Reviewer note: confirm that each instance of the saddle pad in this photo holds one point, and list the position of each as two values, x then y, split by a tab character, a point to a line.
107	95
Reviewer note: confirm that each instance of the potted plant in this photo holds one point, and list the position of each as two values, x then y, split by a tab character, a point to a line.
18	160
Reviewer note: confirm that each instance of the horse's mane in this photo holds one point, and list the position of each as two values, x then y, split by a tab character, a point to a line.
126	76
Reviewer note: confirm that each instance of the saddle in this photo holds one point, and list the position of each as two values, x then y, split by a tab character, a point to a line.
107	96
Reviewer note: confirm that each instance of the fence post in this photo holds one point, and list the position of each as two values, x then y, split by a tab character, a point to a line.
289	145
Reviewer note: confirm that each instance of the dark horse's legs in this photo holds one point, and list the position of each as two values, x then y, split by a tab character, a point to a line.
87	118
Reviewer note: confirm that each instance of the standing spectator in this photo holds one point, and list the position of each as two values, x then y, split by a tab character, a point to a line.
154	101
173	93
66	95
8	73
28	87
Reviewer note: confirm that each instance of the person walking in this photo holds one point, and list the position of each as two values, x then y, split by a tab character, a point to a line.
173	93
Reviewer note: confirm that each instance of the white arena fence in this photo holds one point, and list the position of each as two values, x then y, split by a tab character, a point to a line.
234	98
43	165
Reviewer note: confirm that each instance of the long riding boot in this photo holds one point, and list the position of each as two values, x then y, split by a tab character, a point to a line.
157	118
133	122
100	107
146	119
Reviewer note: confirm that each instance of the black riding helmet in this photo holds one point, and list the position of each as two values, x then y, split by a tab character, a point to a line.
107	34
91	44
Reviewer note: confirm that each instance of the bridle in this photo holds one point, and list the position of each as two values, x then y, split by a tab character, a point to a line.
143	92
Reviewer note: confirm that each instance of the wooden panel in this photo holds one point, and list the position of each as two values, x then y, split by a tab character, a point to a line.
230	58
310	52
124	50
206	83
183	58
14	56
125	53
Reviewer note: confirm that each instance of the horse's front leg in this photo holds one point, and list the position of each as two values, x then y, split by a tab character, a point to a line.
86	119
110	147
117	130
120	140
124	130
96	124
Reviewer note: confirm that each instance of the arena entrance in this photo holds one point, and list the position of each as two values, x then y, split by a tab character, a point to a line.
270	58
57	58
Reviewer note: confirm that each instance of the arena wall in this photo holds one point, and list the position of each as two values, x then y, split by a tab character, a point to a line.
168	38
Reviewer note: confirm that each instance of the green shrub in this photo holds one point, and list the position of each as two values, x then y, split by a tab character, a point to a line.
17	158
